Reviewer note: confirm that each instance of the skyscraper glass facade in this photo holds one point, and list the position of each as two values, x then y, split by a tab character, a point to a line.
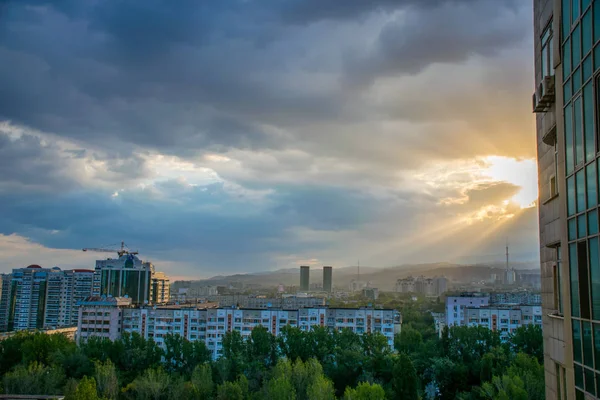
580	50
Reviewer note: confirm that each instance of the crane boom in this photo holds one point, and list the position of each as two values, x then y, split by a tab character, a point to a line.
122	251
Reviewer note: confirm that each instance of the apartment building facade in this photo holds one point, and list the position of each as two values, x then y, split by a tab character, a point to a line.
101	317
456	305
210	325
503	319
64	290
427	286
566	103
23	299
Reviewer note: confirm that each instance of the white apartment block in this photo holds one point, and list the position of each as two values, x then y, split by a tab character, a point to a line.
210	325
455	307
504	319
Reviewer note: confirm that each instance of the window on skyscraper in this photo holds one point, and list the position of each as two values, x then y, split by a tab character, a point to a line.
547	52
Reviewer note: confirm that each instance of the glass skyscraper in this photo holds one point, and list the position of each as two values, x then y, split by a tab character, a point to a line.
565	100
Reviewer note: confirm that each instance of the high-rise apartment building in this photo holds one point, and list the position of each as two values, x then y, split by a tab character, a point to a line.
65	289
5	290
128	276
23	299
304	278
428	286
566	101
160	290
327	279
42	298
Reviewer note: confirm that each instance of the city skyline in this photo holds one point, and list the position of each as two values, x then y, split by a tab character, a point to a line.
268	136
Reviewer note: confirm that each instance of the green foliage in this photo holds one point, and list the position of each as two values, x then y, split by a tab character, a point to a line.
528	339
405	381
107	382
84	390
230	391
279	388
262	346
152	384
409	340
202	382
531	372
34	379
365	391
505	388
321	389
181	355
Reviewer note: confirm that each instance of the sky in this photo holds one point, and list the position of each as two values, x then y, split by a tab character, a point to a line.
232	136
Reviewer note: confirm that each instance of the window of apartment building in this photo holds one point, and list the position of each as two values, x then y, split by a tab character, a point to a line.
547	51
558	298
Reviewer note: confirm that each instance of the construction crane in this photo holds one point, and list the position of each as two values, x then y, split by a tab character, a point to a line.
121	252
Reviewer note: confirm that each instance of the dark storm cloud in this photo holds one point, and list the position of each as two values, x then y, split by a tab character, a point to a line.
449	33
208	74
31	165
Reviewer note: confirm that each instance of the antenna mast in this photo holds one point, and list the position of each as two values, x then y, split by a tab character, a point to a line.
507	255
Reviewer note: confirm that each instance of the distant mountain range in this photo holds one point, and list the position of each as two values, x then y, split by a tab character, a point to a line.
382	278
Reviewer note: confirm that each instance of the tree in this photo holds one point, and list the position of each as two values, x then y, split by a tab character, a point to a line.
182	356
107	382
40	347
493	363
504	388
531	372
405	381
85	390
262	346
377	360
229	391
365	391
74	362
294	344
320	341
202	382
35	379
233	351
304	375
349	360
135	355
321	389
528	339
408	341
279	388
446	377
152	384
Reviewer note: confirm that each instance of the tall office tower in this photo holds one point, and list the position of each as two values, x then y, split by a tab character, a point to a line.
160	290
127	276
304	278
327	279
65	290
567	61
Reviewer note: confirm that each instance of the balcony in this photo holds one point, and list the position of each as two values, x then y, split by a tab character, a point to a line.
544	95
